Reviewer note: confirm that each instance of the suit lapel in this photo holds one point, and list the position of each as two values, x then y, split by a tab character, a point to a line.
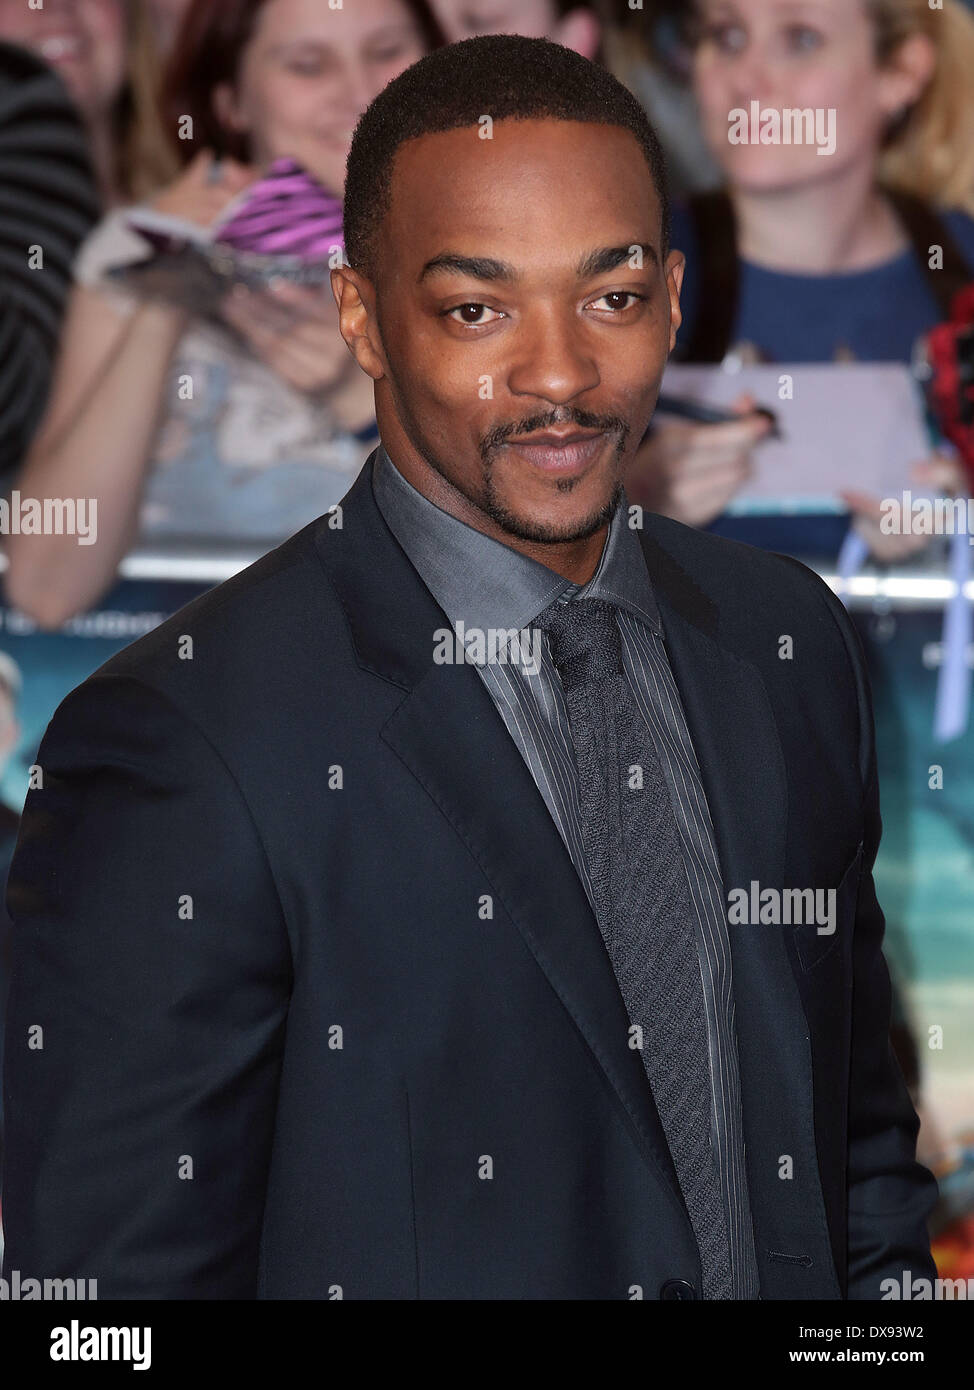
450	736
732	726
452	739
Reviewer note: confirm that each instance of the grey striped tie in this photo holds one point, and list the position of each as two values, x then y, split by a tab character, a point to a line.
639	882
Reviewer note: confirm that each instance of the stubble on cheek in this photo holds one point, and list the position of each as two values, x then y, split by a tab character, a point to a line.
530	507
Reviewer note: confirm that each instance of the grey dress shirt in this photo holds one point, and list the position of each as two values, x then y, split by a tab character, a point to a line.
485	587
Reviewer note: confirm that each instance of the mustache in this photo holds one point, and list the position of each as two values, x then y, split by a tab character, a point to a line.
583	419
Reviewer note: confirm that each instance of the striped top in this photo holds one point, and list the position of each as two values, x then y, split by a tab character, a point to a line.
48	200
490	588
285	213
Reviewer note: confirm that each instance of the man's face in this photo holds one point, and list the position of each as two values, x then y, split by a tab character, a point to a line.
520	290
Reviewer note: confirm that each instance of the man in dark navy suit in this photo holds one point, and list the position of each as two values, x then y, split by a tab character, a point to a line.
472	899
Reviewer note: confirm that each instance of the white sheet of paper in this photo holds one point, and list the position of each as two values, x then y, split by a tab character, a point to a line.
855	425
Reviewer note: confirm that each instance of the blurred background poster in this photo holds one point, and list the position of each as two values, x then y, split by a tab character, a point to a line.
923	879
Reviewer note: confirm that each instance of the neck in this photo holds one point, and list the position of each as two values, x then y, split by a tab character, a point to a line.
574	560
838	224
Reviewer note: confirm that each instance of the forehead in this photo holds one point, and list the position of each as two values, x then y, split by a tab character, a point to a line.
283	20
809	10
534	187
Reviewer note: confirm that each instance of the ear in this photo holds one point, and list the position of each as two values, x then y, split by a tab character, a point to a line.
906	73
226	108
579	29
355	298
676	264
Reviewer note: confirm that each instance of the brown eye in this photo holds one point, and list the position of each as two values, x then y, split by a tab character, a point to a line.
622	294
477	309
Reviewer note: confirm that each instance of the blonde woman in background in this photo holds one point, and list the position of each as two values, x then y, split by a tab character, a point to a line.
827	264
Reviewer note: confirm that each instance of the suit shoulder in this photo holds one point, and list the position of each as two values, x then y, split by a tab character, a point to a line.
749	600
262	616
726	569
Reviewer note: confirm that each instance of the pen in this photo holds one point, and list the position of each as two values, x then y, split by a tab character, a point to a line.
709	414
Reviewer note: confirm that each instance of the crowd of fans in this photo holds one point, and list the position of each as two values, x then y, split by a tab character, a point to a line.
790	257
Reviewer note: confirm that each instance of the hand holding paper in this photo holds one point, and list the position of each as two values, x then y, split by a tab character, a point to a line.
692	471
855	425
293	329
284	226
939	474
197	197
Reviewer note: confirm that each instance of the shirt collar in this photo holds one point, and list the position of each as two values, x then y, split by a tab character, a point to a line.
487	585
622	577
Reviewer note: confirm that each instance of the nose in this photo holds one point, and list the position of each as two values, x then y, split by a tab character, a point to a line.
552	360
750	73
358	88
345	94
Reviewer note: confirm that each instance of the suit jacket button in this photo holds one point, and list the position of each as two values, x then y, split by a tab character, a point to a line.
677	1288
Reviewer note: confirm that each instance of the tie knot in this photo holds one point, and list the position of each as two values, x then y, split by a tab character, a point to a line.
584	639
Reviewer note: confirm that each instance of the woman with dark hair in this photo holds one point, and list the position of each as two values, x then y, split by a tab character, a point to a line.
234	67
249	427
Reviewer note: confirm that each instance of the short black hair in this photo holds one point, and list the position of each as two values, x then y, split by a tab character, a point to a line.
504	76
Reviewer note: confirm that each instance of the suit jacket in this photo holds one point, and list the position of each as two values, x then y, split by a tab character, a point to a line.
325	1010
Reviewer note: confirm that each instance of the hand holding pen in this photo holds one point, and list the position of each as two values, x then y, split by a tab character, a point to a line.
690	468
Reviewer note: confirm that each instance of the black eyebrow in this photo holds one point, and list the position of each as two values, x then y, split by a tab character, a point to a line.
597	262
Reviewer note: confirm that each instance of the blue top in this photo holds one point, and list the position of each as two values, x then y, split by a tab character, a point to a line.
878	314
